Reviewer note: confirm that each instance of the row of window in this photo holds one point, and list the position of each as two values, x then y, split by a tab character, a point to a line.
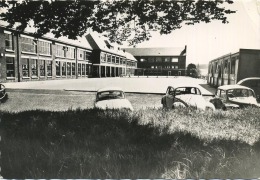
164	67
109	58
159	59
30	45
34	68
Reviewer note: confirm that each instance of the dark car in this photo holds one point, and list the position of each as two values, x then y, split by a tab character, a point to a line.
253	83
234	96
3	94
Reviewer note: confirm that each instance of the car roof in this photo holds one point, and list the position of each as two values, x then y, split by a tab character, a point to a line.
235	86
246	79
109	89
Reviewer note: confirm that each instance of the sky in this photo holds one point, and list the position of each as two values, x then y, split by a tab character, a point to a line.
207	41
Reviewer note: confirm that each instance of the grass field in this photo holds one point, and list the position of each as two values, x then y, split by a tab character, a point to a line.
65	138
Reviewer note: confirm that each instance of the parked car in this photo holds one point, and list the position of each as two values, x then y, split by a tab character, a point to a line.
185	96
234	96
3	94
253	83
112	98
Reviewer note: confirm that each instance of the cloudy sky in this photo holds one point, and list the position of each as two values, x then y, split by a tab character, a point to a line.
208	41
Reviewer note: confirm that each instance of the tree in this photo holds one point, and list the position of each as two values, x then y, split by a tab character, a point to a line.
192	70
120	20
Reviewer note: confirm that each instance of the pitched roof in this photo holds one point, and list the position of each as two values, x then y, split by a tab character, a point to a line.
97	41
166	51
80	41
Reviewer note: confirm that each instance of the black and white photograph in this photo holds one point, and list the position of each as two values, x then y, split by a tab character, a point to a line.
129	89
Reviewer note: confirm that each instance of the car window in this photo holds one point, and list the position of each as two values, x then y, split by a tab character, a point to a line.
233	93
223	94
105	95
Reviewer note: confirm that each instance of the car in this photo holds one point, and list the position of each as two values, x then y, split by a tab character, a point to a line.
253	83
3	94
233	97
112	98
185	96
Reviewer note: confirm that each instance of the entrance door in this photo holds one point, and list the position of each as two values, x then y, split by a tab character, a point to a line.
169	73
179	73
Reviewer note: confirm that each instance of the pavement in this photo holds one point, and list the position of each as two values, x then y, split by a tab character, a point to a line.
134	84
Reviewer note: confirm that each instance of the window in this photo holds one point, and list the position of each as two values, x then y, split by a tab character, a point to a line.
63	68
70	52
87	69
174	59
60	50
44	47
109	58
28	45
25	67
113	59
150	59
176	67
152	67
158	59
86	57
121	60
9	41
49	68
167	59
103	57
34	67
42	67
9	66
117	60
73	69
58	68
79	69
68	68
233	65
83	70
80	54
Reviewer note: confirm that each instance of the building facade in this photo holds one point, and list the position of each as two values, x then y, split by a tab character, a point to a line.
110	61
231	68
159	61
26	58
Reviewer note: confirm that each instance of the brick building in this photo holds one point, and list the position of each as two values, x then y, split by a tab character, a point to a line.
160	61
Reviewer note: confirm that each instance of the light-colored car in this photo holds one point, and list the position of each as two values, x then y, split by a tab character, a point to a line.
234	96
112	98
185	96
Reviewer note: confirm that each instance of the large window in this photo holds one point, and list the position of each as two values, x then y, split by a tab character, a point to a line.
63	68
150	59
113	59
83	70
44	47
103	57
70	52
9	41
87	69
174	59
9	66
28	45
25	67
166	59
42	67
60	50
73	69
34	68
49	68
69	68
79	69
117	60
80	54
58	68
158	59
109	58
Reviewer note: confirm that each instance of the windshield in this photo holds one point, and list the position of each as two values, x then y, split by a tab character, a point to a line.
105	95
233	93
187	90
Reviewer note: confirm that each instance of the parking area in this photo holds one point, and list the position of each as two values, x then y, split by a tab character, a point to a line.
152	85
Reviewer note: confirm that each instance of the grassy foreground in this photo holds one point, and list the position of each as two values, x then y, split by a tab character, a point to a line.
148	143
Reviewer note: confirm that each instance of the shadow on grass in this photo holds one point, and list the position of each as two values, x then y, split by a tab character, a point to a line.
112	144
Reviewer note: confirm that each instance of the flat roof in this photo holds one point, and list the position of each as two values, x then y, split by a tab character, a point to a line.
156	51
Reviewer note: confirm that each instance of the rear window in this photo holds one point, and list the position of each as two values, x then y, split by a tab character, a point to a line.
105	95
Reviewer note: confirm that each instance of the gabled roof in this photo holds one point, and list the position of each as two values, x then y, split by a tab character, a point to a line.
129	56
97	41
166	51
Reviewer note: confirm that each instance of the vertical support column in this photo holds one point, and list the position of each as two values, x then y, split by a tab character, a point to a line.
99	70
